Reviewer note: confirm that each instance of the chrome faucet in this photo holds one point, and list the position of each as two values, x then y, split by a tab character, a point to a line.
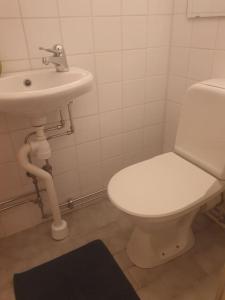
58	59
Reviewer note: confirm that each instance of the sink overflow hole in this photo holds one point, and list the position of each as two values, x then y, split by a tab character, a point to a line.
27	82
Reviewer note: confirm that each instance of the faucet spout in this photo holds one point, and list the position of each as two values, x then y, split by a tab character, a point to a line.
45	61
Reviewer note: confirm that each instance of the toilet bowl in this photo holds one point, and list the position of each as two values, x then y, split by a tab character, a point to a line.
162	195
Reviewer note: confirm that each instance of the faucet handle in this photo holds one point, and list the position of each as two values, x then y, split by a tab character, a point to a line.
49	50
57	50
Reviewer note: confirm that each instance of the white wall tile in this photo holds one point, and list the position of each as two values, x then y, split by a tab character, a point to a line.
180	6
159	30
71	8
154	112
111	123
81	31
86	104
219	64
110	96
11	66
190	82
40	8
67	185
153	141
181	31
156	88
17	122
134	64
133	117
6	149
169	137
134	7
157	61
12	40
177	87
172	116
109	67
86	129
132	158
41	33
133	141
134	92
9	9
220	43
89	153
106	7
112	146
201	62
91	179
173	110
63	160
10	181
83	61
134	32
161	6
110	167
179	61
204	33
107	34
37	64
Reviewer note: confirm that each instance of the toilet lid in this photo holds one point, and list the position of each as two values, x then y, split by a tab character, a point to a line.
162	186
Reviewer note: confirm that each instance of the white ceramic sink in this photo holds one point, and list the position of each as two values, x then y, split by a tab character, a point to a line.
36	93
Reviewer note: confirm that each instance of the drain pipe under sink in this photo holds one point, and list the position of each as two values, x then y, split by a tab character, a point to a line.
41	148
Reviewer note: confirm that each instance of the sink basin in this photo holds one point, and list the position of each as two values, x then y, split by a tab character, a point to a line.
36	93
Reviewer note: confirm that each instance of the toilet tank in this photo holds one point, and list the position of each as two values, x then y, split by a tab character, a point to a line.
201	131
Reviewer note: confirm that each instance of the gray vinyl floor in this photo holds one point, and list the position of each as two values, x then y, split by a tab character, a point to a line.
193	276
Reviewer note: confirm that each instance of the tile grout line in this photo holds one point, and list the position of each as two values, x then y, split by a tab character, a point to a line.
24	32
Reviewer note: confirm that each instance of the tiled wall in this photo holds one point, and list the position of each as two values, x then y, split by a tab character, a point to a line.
125	43
197	53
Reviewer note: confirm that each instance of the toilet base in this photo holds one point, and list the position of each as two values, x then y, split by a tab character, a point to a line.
153	244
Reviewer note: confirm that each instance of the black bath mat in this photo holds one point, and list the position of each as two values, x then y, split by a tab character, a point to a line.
88	273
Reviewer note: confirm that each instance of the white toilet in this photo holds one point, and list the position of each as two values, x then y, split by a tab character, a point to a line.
164	194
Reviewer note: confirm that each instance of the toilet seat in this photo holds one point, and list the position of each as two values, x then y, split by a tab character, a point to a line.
160	187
